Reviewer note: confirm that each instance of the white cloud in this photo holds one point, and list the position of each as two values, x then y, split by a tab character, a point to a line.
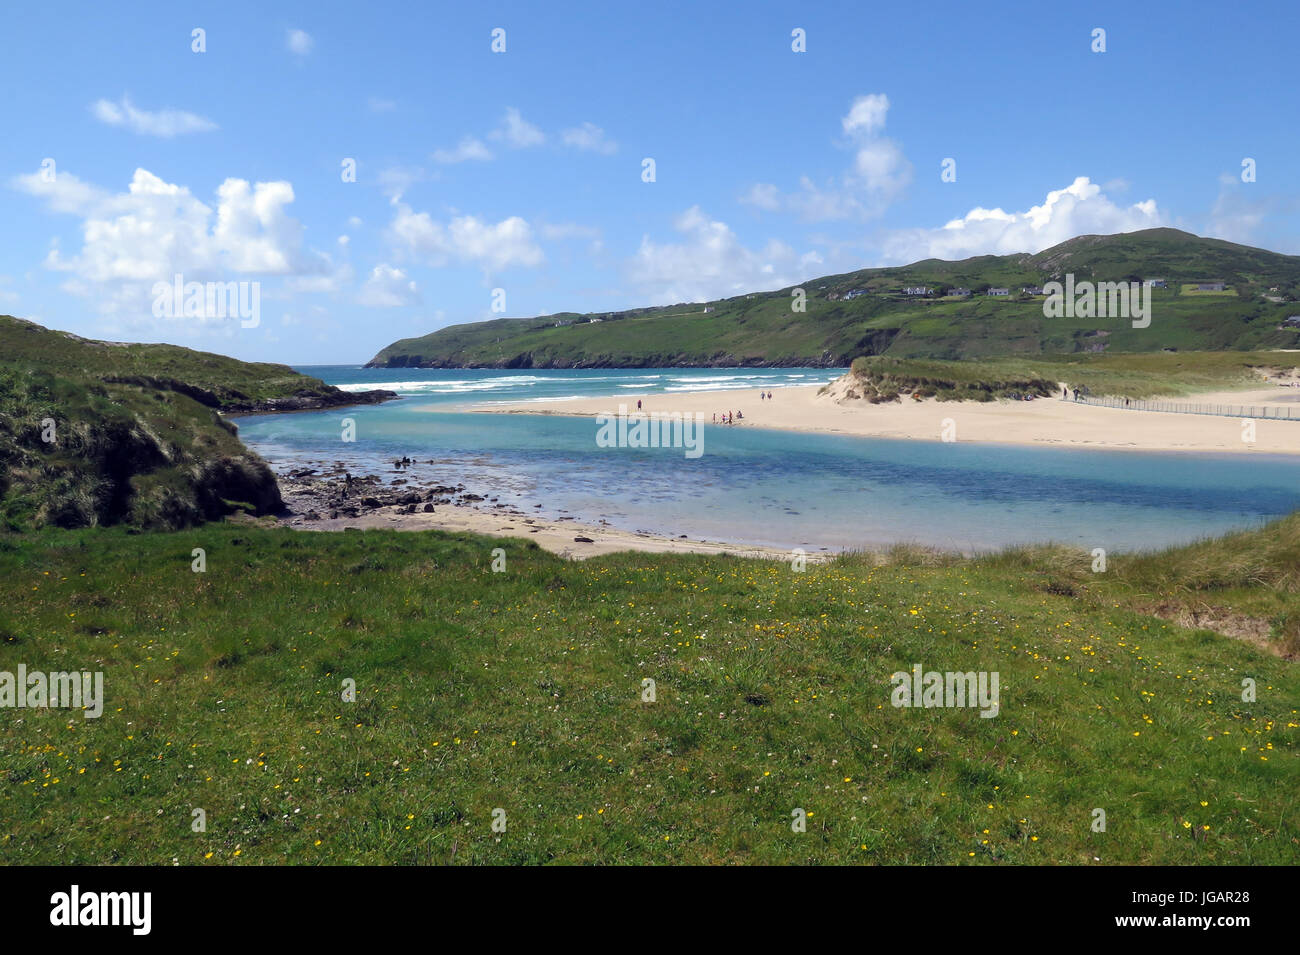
517	132
469	148
712	263
866	116
164	122
299	42
388	287
465	239
157	229
879	174
589	137
763	196
1081	208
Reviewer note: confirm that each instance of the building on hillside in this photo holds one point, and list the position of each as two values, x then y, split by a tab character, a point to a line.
855	293
1210	285
707	309
1032	290
1292	321
595	320
998	291
917	290
1156	283
959	292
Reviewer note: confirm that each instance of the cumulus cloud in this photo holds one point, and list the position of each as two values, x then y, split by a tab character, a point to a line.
516	132
464	239
1081	208
866	116
165	123
158	229
388	287
467	149
589	137
711	262
879	174
299	42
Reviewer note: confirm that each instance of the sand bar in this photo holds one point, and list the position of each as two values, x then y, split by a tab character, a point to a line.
1043	422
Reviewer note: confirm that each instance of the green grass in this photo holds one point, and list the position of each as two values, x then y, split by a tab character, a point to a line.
762	328
1126	375
138	434
522	691
214	380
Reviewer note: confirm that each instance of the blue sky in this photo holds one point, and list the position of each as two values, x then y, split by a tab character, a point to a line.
523	170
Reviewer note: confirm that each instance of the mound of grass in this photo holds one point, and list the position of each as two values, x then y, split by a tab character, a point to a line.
1135	376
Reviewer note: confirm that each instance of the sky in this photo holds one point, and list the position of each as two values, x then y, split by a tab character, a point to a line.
378	171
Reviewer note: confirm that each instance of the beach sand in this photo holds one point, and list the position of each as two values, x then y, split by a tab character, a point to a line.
556	536
1043	422
312	504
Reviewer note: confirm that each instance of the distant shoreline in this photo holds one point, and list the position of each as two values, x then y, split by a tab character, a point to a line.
1045	422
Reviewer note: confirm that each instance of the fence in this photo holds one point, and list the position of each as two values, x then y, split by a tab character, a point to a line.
1229	411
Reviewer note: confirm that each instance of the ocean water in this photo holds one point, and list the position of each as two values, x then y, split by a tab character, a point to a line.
782	489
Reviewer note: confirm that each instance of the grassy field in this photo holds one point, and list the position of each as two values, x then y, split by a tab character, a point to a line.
763	328
1148	375
522	691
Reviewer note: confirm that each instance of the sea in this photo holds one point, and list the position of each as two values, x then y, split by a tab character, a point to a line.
817	492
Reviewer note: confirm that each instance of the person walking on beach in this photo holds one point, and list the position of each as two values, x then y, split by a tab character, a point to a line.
638	404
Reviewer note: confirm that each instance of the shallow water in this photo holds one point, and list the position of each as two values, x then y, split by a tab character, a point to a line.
778	488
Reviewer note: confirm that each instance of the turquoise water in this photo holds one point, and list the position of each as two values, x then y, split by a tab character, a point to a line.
776	488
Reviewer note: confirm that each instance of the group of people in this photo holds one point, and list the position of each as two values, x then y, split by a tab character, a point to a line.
729	417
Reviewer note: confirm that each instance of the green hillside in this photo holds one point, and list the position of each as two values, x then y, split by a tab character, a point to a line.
98	432
762	328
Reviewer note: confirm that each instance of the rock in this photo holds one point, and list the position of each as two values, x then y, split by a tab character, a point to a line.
371	502
428	508
583	540
312	516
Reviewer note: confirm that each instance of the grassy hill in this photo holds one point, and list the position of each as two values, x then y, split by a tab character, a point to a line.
761	329
522	691
102	433
1139	375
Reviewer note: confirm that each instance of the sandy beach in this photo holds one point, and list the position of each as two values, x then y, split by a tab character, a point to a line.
1045	421
564	536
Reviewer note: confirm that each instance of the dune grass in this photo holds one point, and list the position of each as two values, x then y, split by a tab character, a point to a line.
1157	374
